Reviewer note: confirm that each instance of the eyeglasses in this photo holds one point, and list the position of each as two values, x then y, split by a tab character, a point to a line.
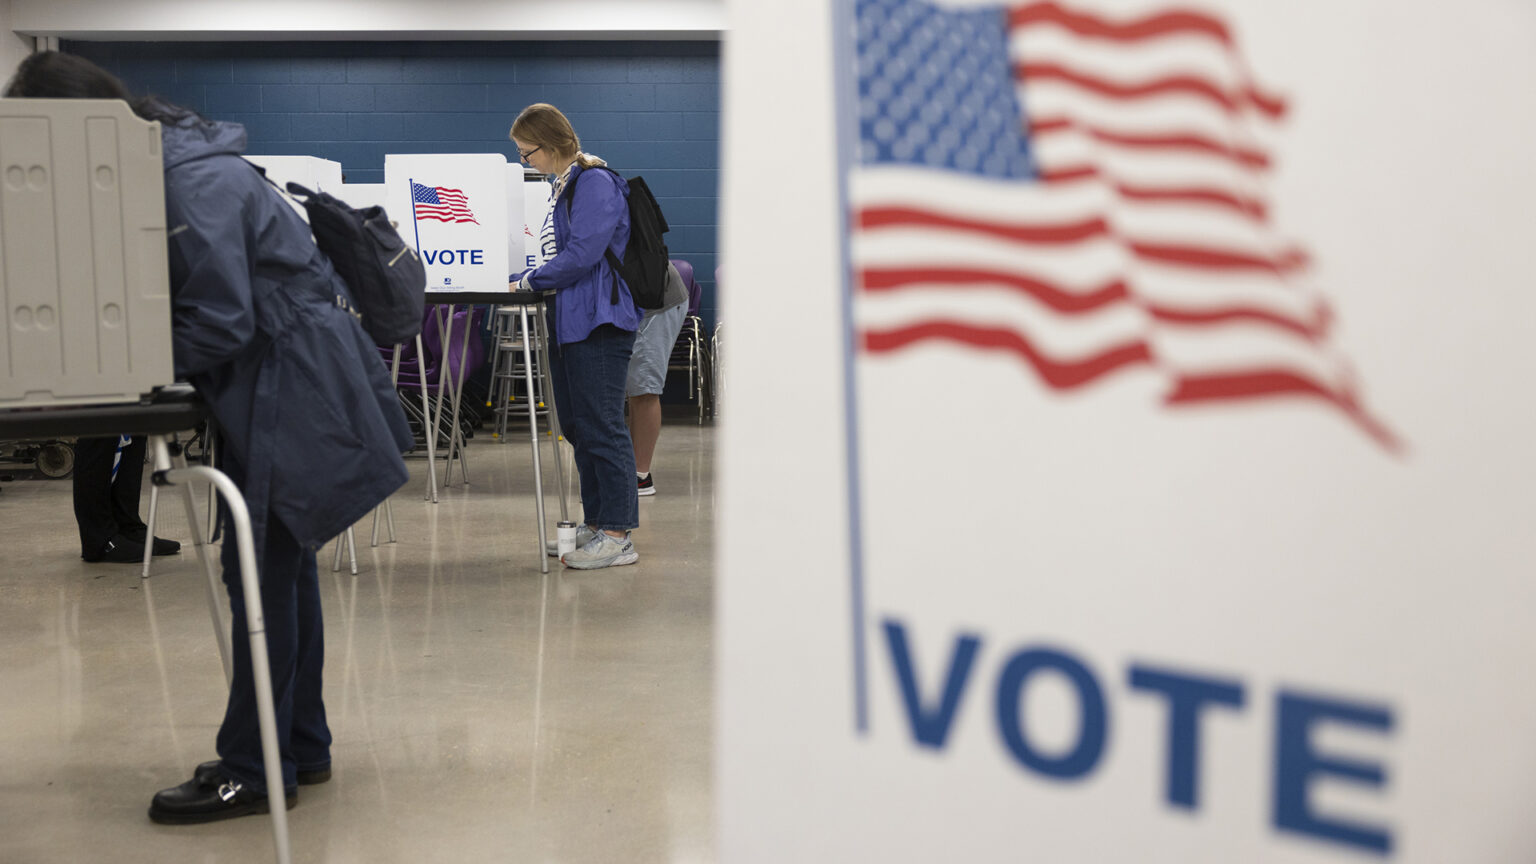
524	156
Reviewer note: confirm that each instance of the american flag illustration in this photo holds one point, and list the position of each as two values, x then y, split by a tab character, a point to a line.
440	203
1086	194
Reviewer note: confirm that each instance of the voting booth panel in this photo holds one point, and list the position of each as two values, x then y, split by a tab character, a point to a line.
453	209
81	322
365	195
1176	510
518	239
536	208
311	172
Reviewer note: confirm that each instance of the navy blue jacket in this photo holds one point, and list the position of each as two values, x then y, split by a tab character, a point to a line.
579	274
304	404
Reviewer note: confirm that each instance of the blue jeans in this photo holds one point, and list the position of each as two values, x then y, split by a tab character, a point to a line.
588	379
290	605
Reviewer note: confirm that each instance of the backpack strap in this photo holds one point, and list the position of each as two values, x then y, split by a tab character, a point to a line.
569	194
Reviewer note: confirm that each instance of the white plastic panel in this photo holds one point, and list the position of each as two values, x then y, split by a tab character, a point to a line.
83	279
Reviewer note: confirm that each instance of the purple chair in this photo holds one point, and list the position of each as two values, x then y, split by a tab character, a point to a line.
411	371
695	291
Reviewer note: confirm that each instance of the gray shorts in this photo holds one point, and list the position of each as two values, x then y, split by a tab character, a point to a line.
653	348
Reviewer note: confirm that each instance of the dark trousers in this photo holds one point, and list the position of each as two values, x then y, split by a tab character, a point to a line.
104	506
588	378
290	599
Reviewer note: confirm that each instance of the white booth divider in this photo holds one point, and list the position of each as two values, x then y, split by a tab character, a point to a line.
1155	384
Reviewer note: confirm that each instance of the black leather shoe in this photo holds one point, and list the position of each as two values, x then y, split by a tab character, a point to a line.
162	546
208	772
119	550
198	800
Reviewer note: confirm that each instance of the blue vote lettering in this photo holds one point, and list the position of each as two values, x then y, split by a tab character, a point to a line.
1299	765
931	707
1093	727
454	256
1186	696
930	724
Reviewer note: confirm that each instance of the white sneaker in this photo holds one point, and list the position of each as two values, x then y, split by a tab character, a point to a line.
603	550
583	536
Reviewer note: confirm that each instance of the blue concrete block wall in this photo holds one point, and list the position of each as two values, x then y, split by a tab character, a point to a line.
649	108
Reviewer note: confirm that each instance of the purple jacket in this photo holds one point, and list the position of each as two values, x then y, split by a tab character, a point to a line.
585	285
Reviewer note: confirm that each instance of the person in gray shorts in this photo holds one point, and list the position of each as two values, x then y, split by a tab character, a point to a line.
648	373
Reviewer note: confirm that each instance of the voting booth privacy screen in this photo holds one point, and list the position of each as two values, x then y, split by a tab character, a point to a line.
1163	480
93	324
455	209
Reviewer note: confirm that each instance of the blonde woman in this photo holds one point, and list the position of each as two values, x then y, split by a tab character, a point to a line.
593	321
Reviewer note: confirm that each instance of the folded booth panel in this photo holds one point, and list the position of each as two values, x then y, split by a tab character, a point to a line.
82	235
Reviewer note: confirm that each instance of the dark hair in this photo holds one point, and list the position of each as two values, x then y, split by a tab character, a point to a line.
54	75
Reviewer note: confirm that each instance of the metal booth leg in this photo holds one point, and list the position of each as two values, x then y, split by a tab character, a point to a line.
456	441
542	325
351	548
250	583
161	458
533	431
426	415
149	530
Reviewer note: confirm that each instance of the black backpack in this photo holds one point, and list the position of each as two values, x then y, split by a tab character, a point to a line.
644	268
385	275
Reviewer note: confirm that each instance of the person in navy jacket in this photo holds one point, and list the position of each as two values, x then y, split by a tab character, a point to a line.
593	319
312	431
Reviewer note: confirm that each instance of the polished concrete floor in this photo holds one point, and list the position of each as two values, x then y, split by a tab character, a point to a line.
482	711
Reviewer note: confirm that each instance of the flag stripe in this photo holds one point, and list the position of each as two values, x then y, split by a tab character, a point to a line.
1193	390
1185	85
1064	375
1247	206
1311	330
1157	26
1248	157
1066	302
1093	27
885	217
1205	257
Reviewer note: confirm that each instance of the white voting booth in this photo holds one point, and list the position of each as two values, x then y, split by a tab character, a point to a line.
455	209
311	172
465	215
1175	494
